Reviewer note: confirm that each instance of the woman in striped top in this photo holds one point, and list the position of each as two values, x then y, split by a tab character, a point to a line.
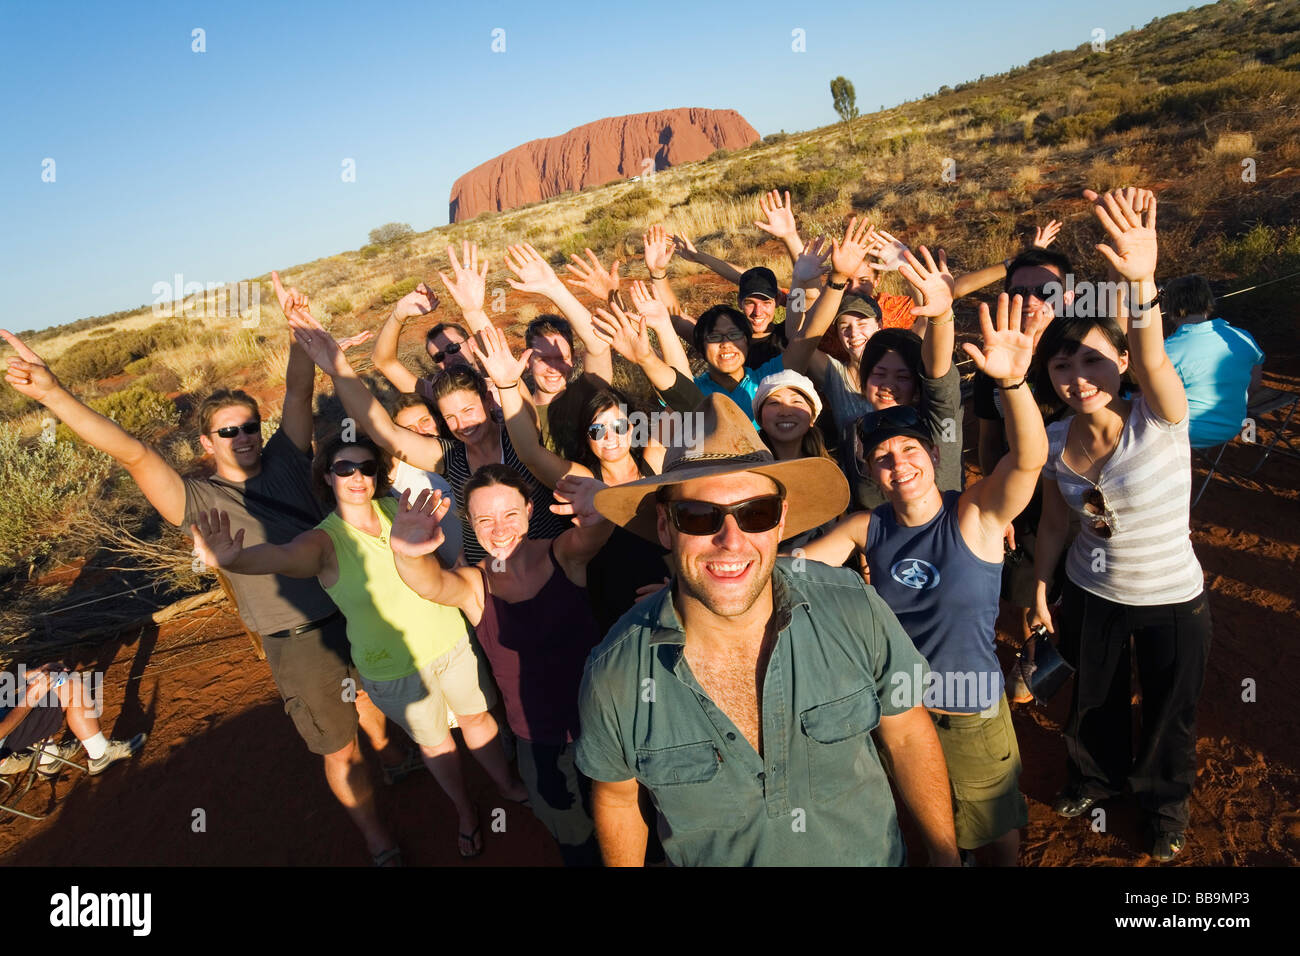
1123	466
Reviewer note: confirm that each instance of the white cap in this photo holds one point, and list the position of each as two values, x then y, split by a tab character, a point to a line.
788	379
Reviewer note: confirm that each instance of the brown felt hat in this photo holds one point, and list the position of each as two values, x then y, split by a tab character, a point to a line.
724	442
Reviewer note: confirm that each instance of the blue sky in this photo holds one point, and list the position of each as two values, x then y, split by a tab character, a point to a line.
225	164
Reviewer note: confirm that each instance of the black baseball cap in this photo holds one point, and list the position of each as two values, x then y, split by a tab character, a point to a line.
758	281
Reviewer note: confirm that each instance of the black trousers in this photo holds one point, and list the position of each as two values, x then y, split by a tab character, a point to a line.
1172	644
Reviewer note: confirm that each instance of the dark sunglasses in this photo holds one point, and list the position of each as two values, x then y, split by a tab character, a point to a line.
248	428
1094	506
451	349
596	430
753	515
1040	292
343	467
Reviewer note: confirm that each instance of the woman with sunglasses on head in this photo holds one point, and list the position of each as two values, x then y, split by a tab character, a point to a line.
936	559
1133	584
611	451
528	606
415	658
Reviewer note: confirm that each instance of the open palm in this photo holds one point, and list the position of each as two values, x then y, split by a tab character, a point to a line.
212	541
417	527
1008	347
1129	218
467	283
534	273
494	357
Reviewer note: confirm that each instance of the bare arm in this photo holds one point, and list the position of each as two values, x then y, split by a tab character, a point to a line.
627	335
974	281
414	537
922	780
1129	218
1053	526
621	830
999	497
577	546
306	556
935	286
780	222
836	546
467	285
421	301
161	485
656	315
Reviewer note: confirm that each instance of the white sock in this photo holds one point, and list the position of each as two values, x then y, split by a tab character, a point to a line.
95	746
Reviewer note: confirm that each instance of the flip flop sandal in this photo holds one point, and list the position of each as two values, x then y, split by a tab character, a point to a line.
470	838
387	856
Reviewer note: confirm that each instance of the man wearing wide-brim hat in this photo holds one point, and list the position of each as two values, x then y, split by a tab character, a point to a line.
743	697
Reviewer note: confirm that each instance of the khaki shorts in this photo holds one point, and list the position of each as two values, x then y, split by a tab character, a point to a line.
419	702
983	761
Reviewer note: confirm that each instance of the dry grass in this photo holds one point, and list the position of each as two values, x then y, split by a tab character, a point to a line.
1234	145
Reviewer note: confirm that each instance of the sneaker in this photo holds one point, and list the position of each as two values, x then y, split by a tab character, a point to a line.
69	751
117	750
1167	846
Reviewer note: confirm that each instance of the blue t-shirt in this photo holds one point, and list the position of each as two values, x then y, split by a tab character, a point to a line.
1214	360
946	598
745	390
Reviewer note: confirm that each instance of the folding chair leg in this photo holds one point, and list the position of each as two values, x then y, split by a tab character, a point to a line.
1279	435
1214	466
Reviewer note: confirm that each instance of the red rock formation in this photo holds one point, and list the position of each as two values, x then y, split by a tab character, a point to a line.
616	148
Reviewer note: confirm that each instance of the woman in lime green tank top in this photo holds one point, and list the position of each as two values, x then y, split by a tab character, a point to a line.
414	656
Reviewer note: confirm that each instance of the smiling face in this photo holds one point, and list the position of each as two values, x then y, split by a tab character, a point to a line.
499	516
440	342
465	416
903	468
235	456
786	415
551	363
1092	377
1036	277
890	382
854	330
759	309
726	572
727	356
416	418
355	488
612	447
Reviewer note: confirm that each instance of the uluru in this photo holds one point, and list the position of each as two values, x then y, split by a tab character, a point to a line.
614	148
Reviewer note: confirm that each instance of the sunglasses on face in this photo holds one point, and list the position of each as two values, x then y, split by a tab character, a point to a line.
451	349
343	468
1040	292
716	338
753	515
248	428
596	430
1102	518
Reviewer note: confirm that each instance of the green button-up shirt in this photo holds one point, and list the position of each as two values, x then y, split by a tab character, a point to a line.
818	795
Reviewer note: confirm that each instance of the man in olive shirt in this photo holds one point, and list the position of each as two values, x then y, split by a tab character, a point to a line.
743	697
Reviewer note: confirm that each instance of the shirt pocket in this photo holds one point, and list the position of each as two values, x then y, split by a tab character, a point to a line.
841	757
689	786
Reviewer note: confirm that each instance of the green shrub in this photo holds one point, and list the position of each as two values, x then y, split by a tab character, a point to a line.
390	232
716	155
772	138
138	366
138	409
370	252
390	294
92	359
632	206
1262	251
341	306
43	481
103	330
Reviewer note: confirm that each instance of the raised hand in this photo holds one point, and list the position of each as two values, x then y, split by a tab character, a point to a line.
319	345
576	495
624	332
495	359
811	263
593	277
291	300
419	301
27	371
365	335
1129	218
685	248
416	527
779	215
847	254
645	303
659	248
1008	348
212	541
534	273
886	250
1044	236
467	284
934	281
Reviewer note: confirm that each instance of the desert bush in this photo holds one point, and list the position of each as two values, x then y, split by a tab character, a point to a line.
1262	251
390	232
390	294
105	330
341	306
138	366
716	155
138	409
43	481
632	206
773	138
92	359
370	252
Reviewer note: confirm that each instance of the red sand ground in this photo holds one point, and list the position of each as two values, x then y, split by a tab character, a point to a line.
220	741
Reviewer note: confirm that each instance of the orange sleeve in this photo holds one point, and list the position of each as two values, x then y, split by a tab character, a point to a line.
896	311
